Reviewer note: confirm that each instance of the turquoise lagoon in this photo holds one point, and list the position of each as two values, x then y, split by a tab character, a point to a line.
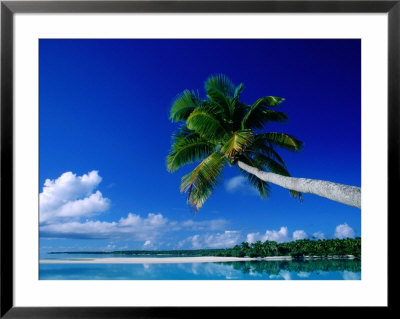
321	269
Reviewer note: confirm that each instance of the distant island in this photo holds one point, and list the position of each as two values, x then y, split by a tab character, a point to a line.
304	248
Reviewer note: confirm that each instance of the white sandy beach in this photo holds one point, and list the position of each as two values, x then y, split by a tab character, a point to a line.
163	260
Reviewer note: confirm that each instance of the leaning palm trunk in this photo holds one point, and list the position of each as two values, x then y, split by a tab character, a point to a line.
345	194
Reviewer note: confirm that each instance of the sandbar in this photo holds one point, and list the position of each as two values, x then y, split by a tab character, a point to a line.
161	260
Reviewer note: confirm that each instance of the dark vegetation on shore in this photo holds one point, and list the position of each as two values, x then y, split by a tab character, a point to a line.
274	267
298	248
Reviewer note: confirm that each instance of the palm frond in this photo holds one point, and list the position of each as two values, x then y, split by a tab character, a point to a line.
239	89
237	144
201	182
239	112
183	105
296	195
258	118
206	122
220	82
269	101
218	98
260	144
221	129
272	165
187	147
261	186
259	114
283	140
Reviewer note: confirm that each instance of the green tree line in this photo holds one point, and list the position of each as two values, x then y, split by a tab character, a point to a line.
298	248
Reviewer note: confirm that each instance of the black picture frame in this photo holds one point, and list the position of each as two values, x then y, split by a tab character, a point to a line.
9	8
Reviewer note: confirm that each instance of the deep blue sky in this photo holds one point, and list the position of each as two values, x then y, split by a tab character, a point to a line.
104	106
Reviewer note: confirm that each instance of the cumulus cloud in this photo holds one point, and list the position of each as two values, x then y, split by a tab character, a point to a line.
253	237
239	184
318	235
69	205
344	231
134	227
227	239
279	236
147	243
299	234
71	197
68	202
195	240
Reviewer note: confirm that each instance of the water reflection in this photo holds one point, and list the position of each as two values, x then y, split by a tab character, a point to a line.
243	270
302	267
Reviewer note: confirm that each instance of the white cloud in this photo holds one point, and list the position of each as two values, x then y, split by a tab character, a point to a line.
67	203
234	183
71	197
318	235
239	184
195	241
227	239
135	221
88	206
253	237
299	234
281	235
132	227
135	227
344	231
147	243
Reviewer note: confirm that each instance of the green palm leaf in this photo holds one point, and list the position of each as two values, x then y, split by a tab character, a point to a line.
261	144
239	89
205	121
261	186
239	112
237	144
201	182
272	165
270	101
183	105
259	113
283	140
220	100
220	82
187	147
219	130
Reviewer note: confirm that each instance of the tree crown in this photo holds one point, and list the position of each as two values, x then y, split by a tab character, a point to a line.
220	130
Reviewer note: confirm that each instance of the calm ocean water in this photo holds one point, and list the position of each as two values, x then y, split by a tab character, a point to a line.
238	270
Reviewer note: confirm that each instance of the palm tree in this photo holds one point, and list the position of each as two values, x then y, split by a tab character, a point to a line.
222	130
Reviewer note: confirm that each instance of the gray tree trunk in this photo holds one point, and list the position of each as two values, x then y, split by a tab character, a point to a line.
349	195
